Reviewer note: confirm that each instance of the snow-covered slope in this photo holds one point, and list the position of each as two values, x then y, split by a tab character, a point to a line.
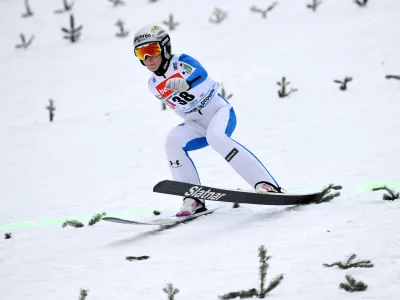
104	151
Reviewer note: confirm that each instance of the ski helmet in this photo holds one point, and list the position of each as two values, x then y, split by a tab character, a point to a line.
154	34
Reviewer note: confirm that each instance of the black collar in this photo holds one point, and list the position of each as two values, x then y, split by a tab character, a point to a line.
163	67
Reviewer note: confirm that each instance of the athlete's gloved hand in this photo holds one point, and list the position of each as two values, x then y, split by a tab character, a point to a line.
177	84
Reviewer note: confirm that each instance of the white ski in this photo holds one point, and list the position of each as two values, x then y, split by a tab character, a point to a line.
160	222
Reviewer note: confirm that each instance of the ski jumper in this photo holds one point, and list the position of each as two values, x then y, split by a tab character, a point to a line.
209	120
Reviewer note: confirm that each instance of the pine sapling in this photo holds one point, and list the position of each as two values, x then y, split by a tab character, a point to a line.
171	291
7	236
241	294
314	5
130	258
224	94
170	23
353	285
96	218
72	223
393	77
83	294
122	32
219	16
283	91
66	7
28	10
117	2
343	83
326	193
24	43
74	33
361	3
350	263
391	196
262	254
263	12
51	108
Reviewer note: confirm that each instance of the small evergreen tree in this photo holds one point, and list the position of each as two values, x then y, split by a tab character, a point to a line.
390	196
51	108
361	3
83	294
66	7
96	218
72	223
393	77
262	292
343	83
122	32
24	43
263	12
130	258
170	23
350	263
224	93
219	16
314	5
28	10
283	91
171	291
262	254
241	294
117	2
353	285
326	193
74	33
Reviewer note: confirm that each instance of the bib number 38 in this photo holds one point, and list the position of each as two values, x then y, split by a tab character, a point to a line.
183	98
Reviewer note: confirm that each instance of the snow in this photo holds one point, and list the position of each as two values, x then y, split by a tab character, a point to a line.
104	151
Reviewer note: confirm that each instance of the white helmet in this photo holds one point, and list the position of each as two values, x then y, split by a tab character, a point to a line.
154	34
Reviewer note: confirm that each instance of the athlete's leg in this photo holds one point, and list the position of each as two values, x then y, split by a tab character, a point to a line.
179	142
245	163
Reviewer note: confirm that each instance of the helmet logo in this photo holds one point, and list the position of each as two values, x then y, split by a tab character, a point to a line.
164	41
142	37
154	29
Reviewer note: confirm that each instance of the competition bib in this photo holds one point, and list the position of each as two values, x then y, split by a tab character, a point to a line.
185	100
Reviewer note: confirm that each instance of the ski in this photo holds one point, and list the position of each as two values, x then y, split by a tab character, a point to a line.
225	195
167	221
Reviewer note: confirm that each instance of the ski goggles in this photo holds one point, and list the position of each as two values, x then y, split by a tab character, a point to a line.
152	49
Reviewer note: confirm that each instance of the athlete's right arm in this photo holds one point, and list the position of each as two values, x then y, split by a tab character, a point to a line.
176	110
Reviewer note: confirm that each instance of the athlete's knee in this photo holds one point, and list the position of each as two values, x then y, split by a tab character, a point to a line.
173	140
215	140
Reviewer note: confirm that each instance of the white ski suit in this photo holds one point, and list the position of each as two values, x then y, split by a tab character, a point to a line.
208	120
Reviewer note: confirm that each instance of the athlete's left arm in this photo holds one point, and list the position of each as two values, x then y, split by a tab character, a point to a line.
199	75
